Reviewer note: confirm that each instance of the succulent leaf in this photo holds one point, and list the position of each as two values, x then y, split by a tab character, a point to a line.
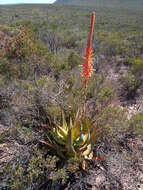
72	139
61	131
65	126
69	143
76	130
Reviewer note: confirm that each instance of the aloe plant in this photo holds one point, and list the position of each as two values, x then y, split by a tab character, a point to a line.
72	139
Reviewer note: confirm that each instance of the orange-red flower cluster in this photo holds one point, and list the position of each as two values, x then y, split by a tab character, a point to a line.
87	59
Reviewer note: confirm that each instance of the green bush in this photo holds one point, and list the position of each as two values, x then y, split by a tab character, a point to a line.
4	136
74	60
13	69
60	66
21	44
106	94
18	54
41	48
130	85
137	65
9	69
110	121
136	123
34	173
111	44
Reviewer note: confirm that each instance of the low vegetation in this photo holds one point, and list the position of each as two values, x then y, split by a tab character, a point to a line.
57	101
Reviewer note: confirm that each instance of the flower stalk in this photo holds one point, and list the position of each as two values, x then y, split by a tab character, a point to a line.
87	62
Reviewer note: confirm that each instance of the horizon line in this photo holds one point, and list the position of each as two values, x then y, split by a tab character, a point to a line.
25	3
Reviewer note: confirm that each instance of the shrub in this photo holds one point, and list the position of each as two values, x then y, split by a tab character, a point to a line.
4	136
95	85
74	60
105	95
18	53
41	48
20	45
110	121
9	69
15	69
111	44
137	65
5	98
70	42
34	173
136	123
130	86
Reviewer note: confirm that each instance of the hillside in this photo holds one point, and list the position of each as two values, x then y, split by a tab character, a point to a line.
125	4
41	60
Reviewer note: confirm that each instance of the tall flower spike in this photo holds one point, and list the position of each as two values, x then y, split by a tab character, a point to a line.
87	62
87	59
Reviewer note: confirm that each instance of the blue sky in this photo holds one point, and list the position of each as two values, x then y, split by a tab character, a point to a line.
25	1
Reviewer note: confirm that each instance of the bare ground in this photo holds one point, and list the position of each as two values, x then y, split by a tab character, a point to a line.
122	168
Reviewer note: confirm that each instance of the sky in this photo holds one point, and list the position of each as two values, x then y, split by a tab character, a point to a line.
25	1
